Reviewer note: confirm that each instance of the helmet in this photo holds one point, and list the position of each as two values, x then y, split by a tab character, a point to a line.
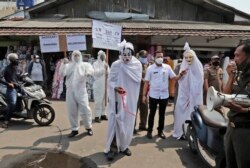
12	57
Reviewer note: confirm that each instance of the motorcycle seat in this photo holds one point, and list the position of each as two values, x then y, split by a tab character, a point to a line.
33	88
212	118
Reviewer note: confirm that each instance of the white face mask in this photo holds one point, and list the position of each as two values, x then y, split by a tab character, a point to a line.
77	59
159	61
37	60
126	59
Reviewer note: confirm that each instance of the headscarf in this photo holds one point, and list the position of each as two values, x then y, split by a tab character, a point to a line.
126	50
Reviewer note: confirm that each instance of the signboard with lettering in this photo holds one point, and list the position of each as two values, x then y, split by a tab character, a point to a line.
76	42
49	43
106	35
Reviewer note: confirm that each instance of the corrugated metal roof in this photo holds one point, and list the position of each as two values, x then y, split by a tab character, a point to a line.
43	27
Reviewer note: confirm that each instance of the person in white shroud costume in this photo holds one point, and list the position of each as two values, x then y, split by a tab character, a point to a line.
190	91
76	94
101	71
124	85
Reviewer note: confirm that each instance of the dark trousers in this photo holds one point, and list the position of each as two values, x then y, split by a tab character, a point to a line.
153	106
237	147
11	95
143	108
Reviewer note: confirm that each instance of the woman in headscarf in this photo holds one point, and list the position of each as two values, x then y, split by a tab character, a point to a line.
190	91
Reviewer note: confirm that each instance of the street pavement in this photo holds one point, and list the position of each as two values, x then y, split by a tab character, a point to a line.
26	135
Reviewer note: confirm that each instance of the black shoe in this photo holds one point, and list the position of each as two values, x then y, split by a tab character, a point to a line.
90	132
97	119
110	155
127	152
183	137
72	134
161	135
5	124
104	117
142	129
149	135
135	131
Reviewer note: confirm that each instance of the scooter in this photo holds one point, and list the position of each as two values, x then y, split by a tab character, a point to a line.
31	103
204	133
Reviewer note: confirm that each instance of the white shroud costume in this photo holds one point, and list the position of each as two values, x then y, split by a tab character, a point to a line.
100	69
121	125
190	91
76	94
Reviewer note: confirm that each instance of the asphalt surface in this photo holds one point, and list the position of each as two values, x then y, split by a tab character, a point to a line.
25	138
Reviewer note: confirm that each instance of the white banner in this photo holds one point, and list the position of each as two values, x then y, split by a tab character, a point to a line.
49	43
76	42
106	35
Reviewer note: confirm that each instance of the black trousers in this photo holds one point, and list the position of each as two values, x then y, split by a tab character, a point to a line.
153	106
237	147
143	108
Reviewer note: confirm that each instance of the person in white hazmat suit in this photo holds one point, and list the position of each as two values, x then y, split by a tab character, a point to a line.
101	71
190	90
76	94
124	86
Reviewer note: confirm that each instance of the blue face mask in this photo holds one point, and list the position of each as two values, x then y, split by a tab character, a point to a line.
143	60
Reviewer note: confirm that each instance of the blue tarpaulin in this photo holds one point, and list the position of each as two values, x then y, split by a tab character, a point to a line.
24	3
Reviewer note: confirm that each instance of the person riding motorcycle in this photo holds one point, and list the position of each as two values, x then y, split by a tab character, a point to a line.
11	78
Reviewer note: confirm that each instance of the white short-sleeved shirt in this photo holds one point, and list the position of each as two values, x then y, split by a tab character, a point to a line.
158	78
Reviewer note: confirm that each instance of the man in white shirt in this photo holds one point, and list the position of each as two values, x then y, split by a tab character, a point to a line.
157	76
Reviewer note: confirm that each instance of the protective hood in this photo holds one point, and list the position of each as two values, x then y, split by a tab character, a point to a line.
101	54
75	64
76	52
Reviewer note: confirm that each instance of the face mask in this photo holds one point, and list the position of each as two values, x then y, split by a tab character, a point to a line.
189	58
126	59
102	57
14	63
37	60
77	59
244	66
143	60
159	61
216	63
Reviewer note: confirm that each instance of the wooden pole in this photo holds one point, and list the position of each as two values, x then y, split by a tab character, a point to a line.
106	80
65	54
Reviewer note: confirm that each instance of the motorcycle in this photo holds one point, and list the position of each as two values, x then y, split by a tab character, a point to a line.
31	103
204	133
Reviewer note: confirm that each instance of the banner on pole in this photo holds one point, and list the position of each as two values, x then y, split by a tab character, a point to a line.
76	42
106	35
49	43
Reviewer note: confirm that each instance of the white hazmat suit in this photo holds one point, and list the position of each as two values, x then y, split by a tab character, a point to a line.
190	90
101	69
125	74
76	95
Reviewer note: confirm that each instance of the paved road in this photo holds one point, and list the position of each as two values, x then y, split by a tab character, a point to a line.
25	136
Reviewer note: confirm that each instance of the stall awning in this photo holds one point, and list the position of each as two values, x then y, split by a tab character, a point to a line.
148	28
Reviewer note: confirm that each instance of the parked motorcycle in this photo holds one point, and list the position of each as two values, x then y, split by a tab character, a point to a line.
31	103
204	133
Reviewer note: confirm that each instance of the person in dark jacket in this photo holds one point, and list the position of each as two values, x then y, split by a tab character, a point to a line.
237	137
11	78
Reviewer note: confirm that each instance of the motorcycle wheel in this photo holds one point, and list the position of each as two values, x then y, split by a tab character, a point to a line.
44	115
207	157
191	138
